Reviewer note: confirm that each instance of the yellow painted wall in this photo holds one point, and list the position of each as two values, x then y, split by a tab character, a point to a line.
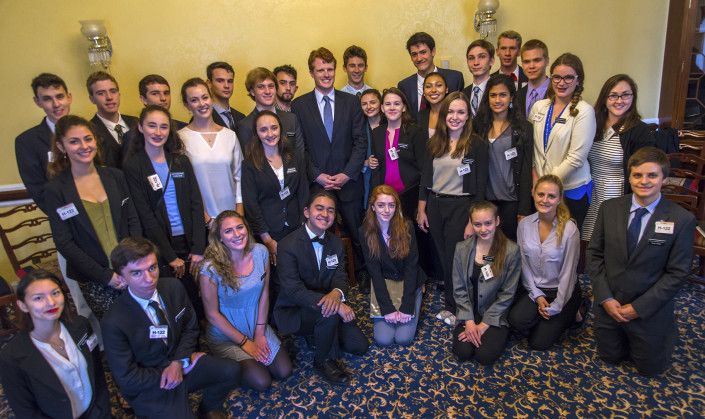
178	38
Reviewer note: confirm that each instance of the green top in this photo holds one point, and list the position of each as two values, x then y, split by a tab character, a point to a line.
102	221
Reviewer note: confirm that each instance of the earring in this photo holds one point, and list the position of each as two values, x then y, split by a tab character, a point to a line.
510	105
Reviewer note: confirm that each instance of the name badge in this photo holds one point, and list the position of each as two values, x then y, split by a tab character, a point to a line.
155	182
608	134
177	175
124	201
463	170
537	117
664	227
92	342
284	193
50	157
467	161
403	145
488	258
290	170
178	316
560	120
393	153
511	153
67	211
656	242
487	272
158	332
290	134
332	261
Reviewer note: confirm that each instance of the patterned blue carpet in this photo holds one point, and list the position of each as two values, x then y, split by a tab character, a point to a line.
425	381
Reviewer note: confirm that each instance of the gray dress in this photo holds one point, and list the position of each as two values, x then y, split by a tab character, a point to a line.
240	309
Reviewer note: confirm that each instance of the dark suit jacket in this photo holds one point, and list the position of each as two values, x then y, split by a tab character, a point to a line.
653	275
423	120
303	281
264	209
474	183
522	77
31	151
384	267
290	129
75	237
345	153
409	86
237	117
135	360
110	151
521	168
631	140
151	207
34	390
177	125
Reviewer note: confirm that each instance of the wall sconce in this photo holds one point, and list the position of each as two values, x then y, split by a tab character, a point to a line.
101	49
485	23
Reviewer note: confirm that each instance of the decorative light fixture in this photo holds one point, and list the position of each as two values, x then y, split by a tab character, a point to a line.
101	49
485	23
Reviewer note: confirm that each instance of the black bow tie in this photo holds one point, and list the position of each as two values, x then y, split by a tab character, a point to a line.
321	240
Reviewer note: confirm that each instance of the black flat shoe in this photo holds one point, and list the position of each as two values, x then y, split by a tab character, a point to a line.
310	342
330	372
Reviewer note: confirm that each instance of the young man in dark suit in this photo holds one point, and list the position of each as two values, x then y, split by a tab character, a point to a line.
508	46
314	283
33	147
150	336
115	130
335	142
220	76
154	90
422	49
480	56
261	86
286	87
639	258
534	57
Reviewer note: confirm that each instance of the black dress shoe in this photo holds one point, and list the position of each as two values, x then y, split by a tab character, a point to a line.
310	342
330	372
363	281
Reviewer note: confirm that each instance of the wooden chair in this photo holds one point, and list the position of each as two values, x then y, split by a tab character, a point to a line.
692	142
8	312
16	236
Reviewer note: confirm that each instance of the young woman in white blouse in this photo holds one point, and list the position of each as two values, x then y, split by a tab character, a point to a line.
214	151
550	246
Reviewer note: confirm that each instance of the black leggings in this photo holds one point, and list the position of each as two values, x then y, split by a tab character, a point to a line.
493	342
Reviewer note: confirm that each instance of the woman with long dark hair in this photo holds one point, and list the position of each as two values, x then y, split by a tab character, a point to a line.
371	102
435	89
511	140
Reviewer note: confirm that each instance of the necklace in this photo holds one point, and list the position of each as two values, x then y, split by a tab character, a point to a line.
60	348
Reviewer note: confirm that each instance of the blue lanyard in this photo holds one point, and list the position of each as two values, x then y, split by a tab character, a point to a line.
548	126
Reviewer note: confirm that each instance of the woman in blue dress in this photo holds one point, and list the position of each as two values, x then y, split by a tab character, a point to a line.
234	283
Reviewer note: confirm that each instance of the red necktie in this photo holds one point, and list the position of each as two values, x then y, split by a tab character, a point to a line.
514	76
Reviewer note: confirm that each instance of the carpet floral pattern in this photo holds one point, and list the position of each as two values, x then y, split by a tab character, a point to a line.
426	381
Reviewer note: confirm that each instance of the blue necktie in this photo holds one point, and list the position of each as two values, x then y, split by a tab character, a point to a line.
328	118
634	230
475	100
533	98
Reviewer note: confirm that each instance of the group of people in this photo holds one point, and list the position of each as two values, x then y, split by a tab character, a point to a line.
483	187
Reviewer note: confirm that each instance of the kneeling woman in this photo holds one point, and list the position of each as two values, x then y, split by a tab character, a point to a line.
391	255
52	368
486	271
550	248
235	290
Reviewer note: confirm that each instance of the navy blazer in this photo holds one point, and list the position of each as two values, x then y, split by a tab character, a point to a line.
290	129
34	390
657	269
151	207
110	151
264	209
237	117
345	153
135	360
303	281
384	267
75	237
32	153
409	86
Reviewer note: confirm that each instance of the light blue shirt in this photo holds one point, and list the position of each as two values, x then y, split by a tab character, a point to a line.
353	91
322	103
645	219
172	208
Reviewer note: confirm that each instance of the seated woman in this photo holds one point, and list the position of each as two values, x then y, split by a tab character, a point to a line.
90	211
52	368
486	272
389	246
235	290
166	194
550	248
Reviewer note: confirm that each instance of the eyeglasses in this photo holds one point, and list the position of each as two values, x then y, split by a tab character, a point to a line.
624	96
567	79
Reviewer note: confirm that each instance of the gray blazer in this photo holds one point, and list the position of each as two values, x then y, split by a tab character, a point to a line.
495	295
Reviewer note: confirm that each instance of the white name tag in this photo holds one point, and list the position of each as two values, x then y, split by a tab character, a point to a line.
487	272
158	332
511	153
155	182
608	134
67	211
463	170
284	193
92	342
393	153
331	261
664	227
50	156
537	117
